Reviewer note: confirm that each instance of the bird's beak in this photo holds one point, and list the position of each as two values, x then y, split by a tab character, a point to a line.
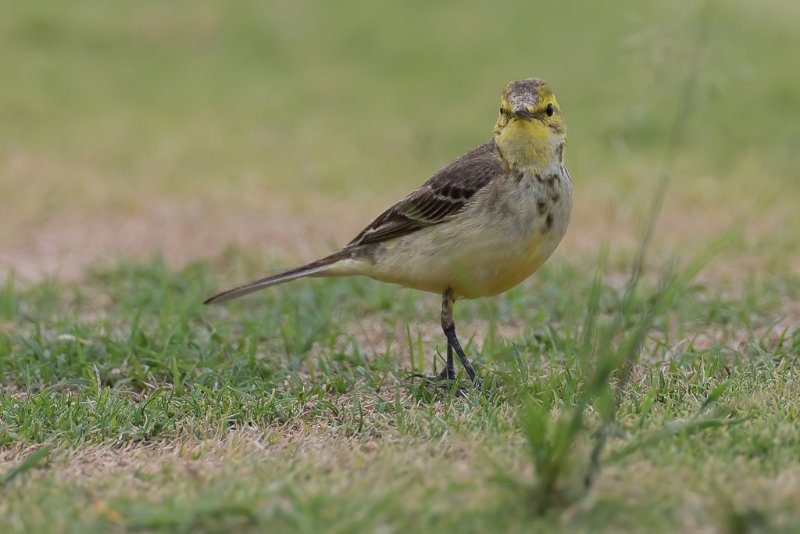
523	113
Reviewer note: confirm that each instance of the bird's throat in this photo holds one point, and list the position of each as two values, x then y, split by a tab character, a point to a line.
528	144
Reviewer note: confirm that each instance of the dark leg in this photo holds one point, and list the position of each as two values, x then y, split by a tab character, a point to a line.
449	372
449	327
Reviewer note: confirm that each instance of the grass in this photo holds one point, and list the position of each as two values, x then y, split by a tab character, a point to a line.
281	412
126	405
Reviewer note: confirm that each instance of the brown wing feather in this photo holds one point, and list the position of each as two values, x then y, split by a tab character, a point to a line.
439	199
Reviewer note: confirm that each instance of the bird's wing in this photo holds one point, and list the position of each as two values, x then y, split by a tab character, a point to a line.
439	199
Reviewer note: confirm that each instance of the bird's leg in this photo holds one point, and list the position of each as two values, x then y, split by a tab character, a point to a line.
449	327
449	372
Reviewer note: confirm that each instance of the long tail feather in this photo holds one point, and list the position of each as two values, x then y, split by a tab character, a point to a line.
311	269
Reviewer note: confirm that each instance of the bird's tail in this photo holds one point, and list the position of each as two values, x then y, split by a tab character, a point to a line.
315	268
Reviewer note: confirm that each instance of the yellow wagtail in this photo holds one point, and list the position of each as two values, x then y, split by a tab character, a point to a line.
478	227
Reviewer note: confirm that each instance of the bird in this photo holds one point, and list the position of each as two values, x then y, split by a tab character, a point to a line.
479	226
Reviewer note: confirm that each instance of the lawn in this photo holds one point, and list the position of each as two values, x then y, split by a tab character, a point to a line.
153	153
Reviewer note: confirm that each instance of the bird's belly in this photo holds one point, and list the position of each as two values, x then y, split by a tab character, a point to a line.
505	263
504	271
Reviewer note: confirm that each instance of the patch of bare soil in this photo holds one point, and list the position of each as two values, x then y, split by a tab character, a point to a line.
182	231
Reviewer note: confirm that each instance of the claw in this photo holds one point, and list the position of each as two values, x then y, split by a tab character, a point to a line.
444	383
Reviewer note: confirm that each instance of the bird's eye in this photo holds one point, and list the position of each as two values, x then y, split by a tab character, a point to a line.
549	109
502	111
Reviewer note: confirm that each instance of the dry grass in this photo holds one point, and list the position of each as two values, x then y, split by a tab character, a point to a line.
106	480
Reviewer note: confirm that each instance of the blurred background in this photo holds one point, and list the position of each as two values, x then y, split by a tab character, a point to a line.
183	128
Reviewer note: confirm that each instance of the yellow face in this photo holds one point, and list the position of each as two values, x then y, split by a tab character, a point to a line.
530	126
532	103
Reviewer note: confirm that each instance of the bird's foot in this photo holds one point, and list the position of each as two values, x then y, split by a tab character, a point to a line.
448	381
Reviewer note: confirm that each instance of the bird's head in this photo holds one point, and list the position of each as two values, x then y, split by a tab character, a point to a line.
530	131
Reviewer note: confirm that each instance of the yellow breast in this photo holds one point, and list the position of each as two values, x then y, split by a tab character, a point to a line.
510	271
